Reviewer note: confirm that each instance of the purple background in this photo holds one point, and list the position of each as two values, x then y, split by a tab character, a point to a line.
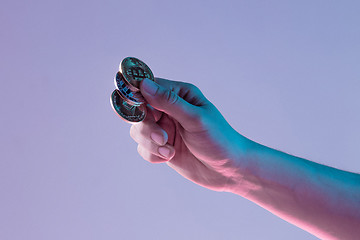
283	73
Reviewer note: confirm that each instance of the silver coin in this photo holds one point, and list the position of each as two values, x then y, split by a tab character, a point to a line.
129	113
134	71
127	91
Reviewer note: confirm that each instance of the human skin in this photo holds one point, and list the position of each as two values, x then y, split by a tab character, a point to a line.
186	131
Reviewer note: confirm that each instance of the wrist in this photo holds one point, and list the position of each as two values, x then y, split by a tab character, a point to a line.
241	181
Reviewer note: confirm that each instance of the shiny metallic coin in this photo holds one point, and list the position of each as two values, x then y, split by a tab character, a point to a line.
127	91
121	82
135	70
128	112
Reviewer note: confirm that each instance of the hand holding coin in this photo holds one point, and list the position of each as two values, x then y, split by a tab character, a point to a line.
183	125
187	132
184	129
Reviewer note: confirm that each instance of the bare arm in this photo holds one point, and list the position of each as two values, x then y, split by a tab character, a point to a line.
319	199
186	131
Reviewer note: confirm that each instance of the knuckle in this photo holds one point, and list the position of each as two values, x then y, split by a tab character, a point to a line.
142	152
171	98
197	92
137	132
148	156
191	86
142	130
133	132
139	149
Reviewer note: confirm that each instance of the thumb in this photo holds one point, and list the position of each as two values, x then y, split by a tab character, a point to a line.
167	101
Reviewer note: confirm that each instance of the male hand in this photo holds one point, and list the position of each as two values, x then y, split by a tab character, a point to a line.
185	130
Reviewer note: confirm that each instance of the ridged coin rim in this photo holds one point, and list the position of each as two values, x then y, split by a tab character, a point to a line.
141	108
134	98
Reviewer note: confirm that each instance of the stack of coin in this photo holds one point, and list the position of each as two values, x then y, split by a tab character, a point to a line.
126	99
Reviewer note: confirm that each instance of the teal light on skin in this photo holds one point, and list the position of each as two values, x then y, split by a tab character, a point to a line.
205	149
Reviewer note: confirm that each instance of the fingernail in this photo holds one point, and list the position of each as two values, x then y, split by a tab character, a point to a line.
157	138
149	86
164	151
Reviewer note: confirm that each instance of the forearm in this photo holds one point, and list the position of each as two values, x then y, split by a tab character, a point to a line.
321	200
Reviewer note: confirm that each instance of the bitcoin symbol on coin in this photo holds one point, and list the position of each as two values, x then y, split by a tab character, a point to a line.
126	99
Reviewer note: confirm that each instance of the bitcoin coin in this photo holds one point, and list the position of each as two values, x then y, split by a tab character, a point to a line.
134	71
128	112
127	91
127	100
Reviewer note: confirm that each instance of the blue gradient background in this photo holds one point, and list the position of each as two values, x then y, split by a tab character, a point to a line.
283	73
